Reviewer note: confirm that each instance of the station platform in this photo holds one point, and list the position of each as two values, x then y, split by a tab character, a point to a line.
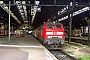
23	48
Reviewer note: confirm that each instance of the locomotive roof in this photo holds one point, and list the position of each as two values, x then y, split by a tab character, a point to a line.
52	22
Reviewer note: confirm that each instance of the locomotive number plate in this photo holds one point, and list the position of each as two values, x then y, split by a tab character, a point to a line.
54	36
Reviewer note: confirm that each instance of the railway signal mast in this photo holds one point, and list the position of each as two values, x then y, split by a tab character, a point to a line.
70	20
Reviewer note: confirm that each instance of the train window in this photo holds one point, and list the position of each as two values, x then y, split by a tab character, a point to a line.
50	26
58	26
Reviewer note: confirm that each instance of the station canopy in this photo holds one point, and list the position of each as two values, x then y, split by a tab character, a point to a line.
37	12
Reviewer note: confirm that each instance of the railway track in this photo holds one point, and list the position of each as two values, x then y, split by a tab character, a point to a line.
61	55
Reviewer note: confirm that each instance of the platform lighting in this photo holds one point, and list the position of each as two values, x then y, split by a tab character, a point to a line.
34	9
71	3
1	2
34	13
18	2
63	10
23	27
39	9
23	2
81	11
29	2
76	3
76	13
3	6
66	8
37	2
54	22
26	21
22	9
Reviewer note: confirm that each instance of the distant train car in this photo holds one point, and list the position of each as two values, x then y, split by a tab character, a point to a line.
51	35
3	32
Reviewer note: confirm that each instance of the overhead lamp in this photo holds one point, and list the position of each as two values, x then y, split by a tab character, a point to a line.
3	6
18	2
39	9
21	10
71	3
67	7
63	10
12	14
29	2
23	2
24	10
6	7
54	22
76	13
26	21
76	3
1	2
20	7
58	12
37	2
16	18
24	7
81	11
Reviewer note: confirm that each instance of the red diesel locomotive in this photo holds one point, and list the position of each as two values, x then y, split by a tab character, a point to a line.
51	34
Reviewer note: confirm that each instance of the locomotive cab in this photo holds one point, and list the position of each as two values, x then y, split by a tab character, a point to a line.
51	35
54	36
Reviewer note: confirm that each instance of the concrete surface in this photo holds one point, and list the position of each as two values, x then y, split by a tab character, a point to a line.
23	48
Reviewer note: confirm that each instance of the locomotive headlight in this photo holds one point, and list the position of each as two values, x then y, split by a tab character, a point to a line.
59	36
49	36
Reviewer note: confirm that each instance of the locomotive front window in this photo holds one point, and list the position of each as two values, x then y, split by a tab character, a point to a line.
50	26
58	26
